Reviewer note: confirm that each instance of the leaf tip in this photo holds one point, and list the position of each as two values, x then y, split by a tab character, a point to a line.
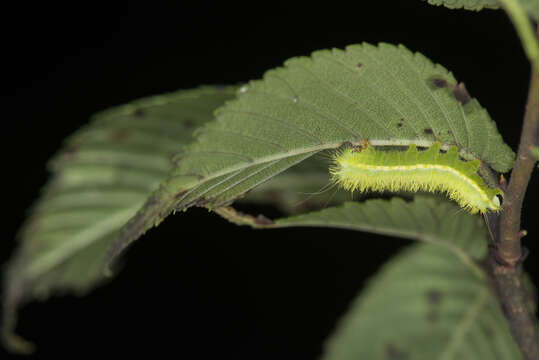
16	344
11	341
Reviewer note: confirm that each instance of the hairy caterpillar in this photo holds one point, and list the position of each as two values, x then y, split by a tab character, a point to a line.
366	169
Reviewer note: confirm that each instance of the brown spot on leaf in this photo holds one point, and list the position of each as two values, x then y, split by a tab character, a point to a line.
262	220
188	122
394	353
399	124
359	65
259	219
345	143
120	135
489	333
461	94
434	297
202	202
139	112
428	131
505	310
241	218
439	83
179	194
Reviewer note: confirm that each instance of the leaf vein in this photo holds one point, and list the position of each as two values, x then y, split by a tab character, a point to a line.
315	109
254	138
346	98
431	94
289	125
404	89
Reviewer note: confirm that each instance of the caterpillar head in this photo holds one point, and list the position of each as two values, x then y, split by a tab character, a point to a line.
496	202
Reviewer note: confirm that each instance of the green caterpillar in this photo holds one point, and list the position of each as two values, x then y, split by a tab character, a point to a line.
367	169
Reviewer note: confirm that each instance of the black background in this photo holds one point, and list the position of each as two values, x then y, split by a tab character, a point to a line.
198	287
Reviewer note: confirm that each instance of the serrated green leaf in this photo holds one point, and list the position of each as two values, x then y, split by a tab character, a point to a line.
466	4
429	219
530	6
385	94
432	301
100	179
426	218
424	304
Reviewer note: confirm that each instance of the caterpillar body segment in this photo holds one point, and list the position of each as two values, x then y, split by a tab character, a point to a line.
431	170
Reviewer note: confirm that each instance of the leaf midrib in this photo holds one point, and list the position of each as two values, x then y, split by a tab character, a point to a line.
305	150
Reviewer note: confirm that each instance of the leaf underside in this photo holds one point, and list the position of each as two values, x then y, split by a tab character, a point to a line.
102	176
423	304
385	94
304	187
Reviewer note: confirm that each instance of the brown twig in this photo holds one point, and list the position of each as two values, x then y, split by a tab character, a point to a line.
508	255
